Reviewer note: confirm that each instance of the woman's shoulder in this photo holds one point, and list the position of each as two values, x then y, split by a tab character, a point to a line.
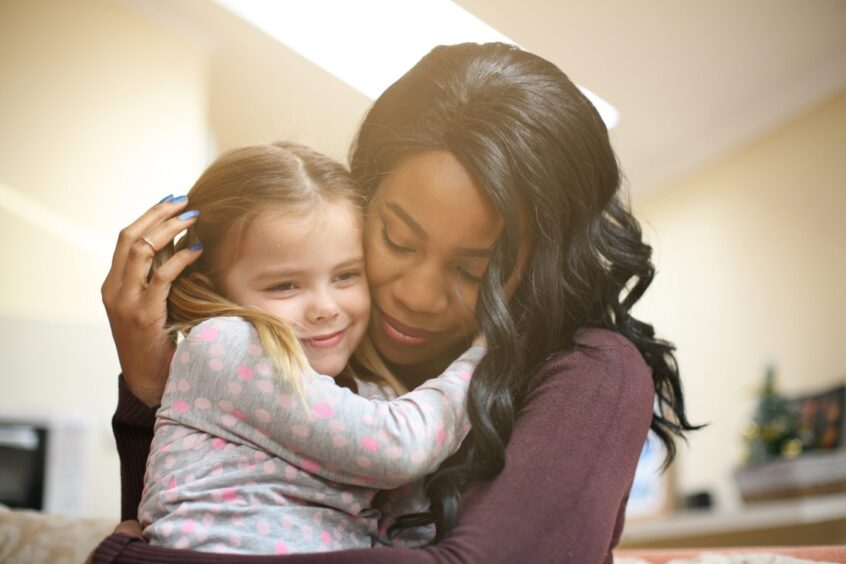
600	356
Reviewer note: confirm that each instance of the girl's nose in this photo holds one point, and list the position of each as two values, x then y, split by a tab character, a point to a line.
322	308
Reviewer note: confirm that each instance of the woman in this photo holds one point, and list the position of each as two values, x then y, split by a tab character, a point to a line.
494	206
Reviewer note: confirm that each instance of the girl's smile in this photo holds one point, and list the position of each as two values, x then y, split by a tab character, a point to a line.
308	269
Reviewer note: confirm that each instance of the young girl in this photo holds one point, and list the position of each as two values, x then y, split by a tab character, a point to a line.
257	449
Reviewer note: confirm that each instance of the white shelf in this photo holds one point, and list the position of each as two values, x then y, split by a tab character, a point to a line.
768	515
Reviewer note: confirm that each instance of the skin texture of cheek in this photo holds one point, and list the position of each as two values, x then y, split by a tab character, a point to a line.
429	226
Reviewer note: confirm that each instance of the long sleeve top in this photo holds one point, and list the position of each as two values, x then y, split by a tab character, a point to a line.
561	496
246	461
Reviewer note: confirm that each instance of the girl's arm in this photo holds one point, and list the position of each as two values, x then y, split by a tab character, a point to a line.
222	383
561	496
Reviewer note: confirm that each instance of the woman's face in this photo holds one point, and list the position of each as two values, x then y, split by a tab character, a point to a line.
428	239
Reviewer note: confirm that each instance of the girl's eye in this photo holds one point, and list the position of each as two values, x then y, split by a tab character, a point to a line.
393	246
347	276
283	287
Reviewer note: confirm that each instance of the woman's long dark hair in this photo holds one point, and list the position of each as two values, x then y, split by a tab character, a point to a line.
541	152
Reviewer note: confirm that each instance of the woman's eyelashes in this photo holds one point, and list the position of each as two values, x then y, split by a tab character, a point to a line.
464	275
392	245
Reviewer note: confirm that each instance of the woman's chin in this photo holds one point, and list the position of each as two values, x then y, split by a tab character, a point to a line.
431	357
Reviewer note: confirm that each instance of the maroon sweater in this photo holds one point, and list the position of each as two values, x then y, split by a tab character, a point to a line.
560	498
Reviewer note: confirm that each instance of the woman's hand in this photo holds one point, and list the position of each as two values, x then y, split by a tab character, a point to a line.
131	528
136	302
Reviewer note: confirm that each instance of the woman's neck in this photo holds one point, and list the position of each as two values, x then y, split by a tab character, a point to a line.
412	375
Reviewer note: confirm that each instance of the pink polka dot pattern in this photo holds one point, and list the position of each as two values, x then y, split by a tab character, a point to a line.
263	527
208	334
238	439
310	466
245	373
266	386
323	410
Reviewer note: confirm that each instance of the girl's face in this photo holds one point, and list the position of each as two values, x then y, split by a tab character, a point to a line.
306	268
429	234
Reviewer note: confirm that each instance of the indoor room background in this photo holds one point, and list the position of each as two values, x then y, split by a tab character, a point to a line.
732	135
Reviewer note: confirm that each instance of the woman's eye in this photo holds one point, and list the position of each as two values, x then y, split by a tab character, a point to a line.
466	276
393	246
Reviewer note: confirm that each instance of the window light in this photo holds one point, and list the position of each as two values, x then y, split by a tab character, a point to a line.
370	43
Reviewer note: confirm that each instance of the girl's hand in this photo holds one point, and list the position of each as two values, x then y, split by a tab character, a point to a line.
480	341
136	306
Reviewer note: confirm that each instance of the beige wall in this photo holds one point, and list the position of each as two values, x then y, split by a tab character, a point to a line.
109	105
751	271
103	113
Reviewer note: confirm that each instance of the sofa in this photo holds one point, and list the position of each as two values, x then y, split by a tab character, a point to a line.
31	537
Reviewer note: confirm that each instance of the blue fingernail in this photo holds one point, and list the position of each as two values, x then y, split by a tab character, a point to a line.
189	214
178	199
166	198
196	246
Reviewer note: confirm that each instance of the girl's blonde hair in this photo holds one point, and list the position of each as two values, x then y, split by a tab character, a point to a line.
236	188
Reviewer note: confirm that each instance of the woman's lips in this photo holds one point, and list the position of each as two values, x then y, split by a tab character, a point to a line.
324	341
403	334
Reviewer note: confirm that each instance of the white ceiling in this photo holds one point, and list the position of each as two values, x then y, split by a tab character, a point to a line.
692	80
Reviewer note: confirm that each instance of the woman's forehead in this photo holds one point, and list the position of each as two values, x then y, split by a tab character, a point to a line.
434	192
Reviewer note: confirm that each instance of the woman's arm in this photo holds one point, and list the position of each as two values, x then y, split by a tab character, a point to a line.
561	496
222	383
132	425
136	302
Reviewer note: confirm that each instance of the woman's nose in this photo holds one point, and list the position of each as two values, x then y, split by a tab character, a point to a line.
422	290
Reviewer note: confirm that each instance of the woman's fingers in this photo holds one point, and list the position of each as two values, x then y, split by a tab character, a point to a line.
164	275
137	311
141	253
131	528
140	227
